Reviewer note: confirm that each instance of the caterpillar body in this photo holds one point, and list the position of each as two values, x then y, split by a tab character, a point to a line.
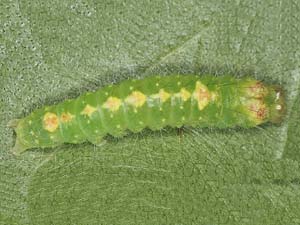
153	102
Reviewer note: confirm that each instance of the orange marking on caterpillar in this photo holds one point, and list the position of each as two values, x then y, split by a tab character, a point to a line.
136	99
66	117
256	90
202	95
50	122
257	110
112	103
88	110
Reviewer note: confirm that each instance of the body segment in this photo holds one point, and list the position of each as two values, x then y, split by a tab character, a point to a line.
154	102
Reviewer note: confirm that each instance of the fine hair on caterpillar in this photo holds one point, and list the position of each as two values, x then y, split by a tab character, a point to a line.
153	102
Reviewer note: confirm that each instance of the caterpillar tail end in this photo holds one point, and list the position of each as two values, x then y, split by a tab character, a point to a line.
278	106
13	123
18	148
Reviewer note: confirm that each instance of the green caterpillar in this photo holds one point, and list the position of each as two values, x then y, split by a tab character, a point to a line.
154	102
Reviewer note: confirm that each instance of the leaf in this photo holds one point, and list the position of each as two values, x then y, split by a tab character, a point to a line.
53	50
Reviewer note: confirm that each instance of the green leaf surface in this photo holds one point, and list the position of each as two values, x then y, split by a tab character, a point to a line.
54	50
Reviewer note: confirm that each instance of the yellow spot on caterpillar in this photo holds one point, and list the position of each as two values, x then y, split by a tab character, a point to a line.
66	117
162	95
106	93
277	96
278	107
157	84
88	110
112	103
136	99
201	95
50	122
184	94
214	96
255	89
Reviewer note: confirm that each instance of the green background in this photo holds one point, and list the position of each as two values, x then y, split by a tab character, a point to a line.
53	50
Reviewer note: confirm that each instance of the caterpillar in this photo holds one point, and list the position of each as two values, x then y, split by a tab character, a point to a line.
153	102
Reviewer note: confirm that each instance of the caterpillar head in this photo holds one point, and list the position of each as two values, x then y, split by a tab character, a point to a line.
276	102
263	102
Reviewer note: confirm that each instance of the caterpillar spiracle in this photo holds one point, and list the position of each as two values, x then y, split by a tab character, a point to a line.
153	102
